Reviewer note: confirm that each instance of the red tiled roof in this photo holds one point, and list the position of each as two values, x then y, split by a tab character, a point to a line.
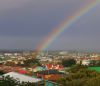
22	71
51	66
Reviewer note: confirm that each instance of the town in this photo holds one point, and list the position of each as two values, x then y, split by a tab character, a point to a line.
48	66
49	43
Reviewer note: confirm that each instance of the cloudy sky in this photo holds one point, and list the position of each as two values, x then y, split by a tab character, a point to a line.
24	23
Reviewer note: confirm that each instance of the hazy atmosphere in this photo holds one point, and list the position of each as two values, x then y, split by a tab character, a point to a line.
24	23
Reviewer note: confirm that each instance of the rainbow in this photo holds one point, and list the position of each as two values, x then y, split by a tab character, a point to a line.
65	25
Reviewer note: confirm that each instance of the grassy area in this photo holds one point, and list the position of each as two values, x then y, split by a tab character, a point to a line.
95	68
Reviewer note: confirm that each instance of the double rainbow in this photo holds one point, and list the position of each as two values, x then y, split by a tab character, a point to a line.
65	25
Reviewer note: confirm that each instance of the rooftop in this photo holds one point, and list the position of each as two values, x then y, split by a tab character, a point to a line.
22	78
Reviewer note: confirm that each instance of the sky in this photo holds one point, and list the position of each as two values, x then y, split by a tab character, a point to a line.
24	24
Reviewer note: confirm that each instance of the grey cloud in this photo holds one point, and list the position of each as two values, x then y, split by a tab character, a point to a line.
23	23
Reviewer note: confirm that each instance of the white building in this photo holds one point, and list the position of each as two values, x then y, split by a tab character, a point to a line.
22	78
86	62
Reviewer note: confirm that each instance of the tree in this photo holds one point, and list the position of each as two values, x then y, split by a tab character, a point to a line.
8	81
80	76
68	62
30	63
1	72
93	82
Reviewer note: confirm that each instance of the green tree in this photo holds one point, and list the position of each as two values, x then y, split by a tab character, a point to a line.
68	62
93	82
8	81
80	76
1	72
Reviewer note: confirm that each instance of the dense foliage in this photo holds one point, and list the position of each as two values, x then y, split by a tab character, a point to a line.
31	62
1	72
8	81
80	76
68	62
95	63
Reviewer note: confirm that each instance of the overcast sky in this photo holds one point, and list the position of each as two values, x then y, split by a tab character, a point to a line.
24	23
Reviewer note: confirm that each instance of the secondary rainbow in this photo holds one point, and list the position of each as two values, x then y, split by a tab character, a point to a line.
65	25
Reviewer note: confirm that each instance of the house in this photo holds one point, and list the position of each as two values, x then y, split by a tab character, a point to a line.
56	67
86	62
38	68
22	78
51	75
